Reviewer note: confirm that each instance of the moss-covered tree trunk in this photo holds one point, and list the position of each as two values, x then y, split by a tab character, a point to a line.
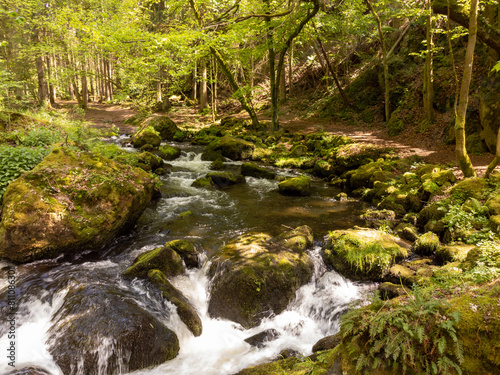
496	160
463	157
203	85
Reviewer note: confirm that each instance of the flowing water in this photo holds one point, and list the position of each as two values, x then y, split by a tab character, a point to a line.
216	216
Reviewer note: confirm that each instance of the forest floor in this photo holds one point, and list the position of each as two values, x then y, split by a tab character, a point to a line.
427	144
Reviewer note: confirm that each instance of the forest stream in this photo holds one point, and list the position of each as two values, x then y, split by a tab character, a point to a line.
207	218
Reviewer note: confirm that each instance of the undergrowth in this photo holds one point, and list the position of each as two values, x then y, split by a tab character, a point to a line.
419	337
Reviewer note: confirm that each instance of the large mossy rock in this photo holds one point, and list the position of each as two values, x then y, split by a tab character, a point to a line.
70	202
146	137
102	330
165	259
295	186
186	250
363	254
187	313
489	111
253	170
231	147
255	276
165	127
168	153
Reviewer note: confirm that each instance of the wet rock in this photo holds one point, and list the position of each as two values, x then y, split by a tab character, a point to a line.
289	353
165	127
323	168
217	165
407	232
165	259
185	310
363	254
261	339
203	183
100	329
186	250
298	240
70	202
232	148
224	179
254	276
326	343
146	137
149	161
253	170
377	218
295	186
167	152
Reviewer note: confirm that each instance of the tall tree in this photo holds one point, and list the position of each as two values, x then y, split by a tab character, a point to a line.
463	158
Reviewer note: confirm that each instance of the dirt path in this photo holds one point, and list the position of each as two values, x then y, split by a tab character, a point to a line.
428	144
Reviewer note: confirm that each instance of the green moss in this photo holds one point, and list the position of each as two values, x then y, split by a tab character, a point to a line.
164	259
203	183
426	244
146	137
453	253
469	188
249	169
167	152
297	186
165	127
362	254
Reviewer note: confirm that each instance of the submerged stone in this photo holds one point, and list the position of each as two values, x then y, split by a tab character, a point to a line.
70	202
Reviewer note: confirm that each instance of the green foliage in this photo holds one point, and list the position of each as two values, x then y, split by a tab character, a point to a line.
418	337
16	160
467	222
38	136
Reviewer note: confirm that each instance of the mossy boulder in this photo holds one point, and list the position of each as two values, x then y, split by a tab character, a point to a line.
366	175
223	179
298	151
165	259
298	240
100	329
323	168
186	250
187	313
295	186
167	152
146	137
255	276
149	161
475	187
326	343
203	183
426	244
253	170
232	147
493	203
431	212
354	155
453	253
70	202
165	126
363	254
389	290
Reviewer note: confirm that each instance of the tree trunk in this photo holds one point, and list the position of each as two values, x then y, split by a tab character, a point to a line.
387	104
463	157
52	91
195	81
246	104
428	88
290	71
203	85
43	91
334	75
85	92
